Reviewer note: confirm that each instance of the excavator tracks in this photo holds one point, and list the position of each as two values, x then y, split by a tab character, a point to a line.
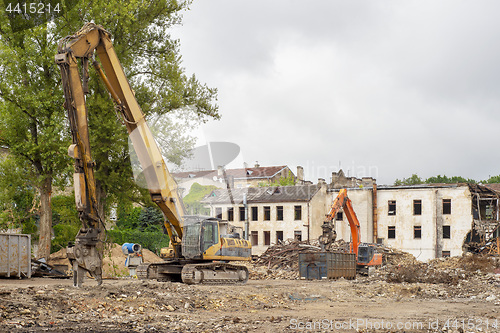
194	273
214	273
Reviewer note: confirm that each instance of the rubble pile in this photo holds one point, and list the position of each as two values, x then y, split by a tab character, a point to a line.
281	261
443	270
113	261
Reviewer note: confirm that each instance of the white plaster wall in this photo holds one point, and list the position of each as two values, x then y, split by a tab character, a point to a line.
362	202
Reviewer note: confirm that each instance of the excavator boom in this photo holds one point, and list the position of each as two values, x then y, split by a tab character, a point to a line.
81	48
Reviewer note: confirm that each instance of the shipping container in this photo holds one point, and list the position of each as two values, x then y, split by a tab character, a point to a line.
15	255
323	265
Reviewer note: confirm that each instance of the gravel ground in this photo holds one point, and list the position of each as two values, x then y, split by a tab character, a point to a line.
367	304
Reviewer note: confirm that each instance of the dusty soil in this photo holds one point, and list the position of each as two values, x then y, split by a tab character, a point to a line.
367	304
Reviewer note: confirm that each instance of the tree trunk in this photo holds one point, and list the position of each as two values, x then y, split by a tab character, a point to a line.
101	202
45	218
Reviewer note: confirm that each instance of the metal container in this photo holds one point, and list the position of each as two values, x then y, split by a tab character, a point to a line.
312	265
331	265
341	265
15	255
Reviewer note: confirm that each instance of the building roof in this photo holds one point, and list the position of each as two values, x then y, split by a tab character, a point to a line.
269	194
242	173
493	187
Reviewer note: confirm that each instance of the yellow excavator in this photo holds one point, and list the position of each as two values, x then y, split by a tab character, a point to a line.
202	246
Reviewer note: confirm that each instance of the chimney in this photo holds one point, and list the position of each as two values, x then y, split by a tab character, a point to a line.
257	165
300	175
220	172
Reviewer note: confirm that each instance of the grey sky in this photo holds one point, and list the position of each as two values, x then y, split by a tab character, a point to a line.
388	88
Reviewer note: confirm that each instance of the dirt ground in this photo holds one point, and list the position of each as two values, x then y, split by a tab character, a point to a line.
367	304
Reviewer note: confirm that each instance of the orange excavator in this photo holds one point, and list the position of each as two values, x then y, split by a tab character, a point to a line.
366	253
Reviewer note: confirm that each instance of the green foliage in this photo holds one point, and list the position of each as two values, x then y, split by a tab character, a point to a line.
33	122
289	180
492	180
449	180
415	180
192	200
18	199
153	241
139	225
65	221
148	219
63	234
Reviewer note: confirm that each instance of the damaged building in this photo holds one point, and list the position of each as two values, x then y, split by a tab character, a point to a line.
274	213
427	220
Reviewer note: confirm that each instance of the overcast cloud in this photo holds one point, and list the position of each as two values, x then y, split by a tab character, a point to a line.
386	88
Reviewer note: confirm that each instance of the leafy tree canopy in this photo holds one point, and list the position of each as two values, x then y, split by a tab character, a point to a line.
415	180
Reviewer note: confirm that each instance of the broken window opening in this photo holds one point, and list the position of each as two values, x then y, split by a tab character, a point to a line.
255	213
391	232
445	254
279	213
298	213
339	216
242	213
417	207
230	214
254	236
267	238
297	234
267	213
218	212
417	232
446	206
392	207
446	231
279	237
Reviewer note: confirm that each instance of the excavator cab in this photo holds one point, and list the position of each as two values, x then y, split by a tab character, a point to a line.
200	233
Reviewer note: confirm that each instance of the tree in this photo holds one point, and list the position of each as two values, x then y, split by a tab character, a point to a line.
192	200
32	120
492	180
413	180
289	180
447	180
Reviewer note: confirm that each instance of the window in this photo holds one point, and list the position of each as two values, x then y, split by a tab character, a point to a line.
339	216
218	212
417	232
446	231
242	213
230	214
417	207
279	213
391	231
297	234
298	213
267	238
255	213
267	213
254	237
279	236
446	206
445	254
392	207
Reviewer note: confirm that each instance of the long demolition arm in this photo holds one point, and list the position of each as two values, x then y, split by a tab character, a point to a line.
163	189
343	201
